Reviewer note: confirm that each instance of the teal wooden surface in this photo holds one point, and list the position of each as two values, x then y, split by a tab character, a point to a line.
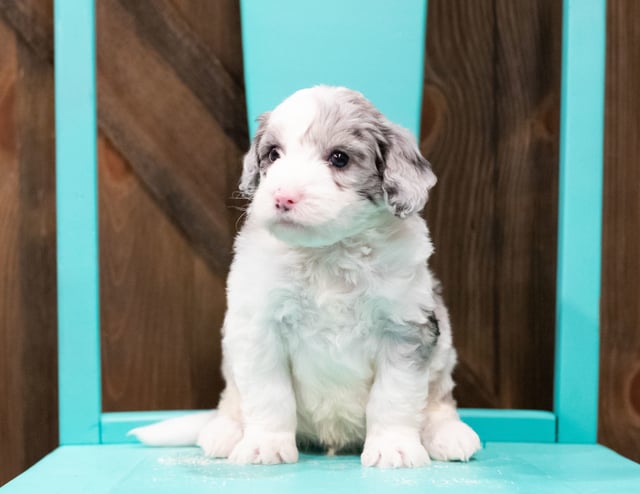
499	467
579	221
77	222
511	425
374	46
491	425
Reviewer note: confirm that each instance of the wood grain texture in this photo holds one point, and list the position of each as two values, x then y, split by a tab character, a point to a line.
28	409
161	306
167	135
32	22
217	25
163	27
619	414
490	129
12	454
162	285
157	53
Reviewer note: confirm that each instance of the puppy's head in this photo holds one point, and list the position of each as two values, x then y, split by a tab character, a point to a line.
326	163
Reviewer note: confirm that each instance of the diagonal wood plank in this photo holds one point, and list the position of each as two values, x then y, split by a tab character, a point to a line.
161	25
170	139
31	20
163	298
156	148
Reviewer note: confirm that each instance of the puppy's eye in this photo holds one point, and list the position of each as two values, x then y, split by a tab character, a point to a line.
274	154
339	159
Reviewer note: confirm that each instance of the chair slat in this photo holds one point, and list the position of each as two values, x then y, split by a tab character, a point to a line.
580	220
77	223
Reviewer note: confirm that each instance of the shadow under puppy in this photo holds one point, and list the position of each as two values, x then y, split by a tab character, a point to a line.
336	336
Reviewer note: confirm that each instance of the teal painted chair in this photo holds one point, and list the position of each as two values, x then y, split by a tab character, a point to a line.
524	451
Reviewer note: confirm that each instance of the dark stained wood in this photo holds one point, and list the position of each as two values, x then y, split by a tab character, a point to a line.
161	25
217	26
162	307
28	408
190	197
619	425
166	134
12	454
490	129
457	118
36	156
529	47
31	20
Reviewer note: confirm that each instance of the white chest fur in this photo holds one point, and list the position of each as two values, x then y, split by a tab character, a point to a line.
329	309
330	325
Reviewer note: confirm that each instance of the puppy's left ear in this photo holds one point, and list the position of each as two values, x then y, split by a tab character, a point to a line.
406	174
251	163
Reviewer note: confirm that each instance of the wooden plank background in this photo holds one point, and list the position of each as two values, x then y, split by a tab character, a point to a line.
619	413
28	395
172	133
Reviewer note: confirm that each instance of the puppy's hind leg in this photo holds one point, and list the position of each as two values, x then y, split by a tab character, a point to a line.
224	431
445	436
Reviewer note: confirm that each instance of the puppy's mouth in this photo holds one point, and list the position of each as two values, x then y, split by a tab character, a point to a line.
297	233
287	222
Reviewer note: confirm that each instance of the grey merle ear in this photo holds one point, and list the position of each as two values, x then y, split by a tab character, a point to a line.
406	174
251	164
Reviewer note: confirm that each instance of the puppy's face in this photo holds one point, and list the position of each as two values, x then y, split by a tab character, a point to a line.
325	164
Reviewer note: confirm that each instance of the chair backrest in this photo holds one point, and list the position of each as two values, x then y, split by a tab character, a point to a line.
289	45
377	47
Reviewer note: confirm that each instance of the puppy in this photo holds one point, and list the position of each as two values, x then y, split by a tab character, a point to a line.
336	336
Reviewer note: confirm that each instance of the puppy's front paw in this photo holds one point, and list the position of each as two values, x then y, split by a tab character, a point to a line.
451	440
394	450
266	448
218	438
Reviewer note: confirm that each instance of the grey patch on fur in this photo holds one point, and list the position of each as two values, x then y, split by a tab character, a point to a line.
384	160
406	174
251	163
400	174
413	342
349	123
433	325
367	195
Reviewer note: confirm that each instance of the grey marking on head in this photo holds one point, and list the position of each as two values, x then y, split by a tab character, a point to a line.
350	122
251	163
406	174
347	122
385	162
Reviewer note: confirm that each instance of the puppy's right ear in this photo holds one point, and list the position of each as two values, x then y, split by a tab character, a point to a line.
251	163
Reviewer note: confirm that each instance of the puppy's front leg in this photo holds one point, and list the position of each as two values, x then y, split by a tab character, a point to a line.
396	401
260	371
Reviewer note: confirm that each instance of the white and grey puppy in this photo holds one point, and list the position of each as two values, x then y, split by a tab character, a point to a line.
336	336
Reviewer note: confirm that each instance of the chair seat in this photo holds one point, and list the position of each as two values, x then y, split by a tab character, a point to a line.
499	467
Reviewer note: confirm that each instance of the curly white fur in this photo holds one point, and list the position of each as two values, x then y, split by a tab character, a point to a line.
335	335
